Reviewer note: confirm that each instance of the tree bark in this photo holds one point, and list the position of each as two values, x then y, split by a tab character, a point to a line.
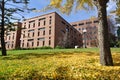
103	34
2	31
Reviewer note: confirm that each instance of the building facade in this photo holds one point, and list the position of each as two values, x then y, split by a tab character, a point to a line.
49	30
12	38
89	30
52	30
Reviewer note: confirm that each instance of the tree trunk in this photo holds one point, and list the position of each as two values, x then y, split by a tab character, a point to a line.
103	34
2	32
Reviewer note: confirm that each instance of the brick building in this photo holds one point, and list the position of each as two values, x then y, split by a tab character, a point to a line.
52	30
49	30
89	30
12	38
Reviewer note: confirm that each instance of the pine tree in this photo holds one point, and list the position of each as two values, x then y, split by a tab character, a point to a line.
7	14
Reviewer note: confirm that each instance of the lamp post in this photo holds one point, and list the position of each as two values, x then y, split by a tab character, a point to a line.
84	38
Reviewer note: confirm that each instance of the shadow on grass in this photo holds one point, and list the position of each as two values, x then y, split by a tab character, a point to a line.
34	55
61	54
117	64
92	53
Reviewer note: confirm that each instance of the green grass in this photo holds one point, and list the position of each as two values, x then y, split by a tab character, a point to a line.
58	64
51	51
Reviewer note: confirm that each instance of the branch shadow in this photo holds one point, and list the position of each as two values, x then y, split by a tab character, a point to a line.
117	64
34	55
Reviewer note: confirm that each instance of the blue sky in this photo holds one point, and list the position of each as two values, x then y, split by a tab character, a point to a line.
74	16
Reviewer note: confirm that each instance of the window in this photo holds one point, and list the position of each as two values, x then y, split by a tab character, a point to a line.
30	39
32	43
63	22
88	22
74	25
27	44
33	34
37	43
50	21
41	39
68	26
43	43
22	44
24	25
43	32
62	31
49	42
12	46
32	30
33	24
8	33
29	25
32	21
44	23
43	28
13	37
49	32
81	24
38	23
28	34
38	33
9	37
41	19
96	21
23	35
8	45
67	29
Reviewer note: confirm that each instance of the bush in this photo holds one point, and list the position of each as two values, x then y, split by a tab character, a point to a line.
59	47
45	47
118	44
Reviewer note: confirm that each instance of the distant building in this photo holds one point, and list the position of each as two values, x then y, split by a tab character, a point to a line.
52	30
49	30
90	36
89	30
12	38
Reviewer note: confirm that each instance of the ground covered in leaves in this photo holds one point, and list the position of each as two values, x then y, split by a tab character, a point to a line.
58	66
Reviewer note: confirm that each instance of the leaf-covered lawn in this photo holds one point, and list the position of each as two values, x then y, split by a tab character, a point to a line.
63	64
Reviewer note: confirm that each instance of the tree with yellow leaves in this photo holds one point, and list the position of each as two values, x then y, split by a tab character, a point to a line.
66	6
118	8
118	11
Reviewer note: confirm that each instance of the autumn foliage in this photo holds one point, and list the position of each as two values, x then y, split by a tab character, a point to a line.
61	65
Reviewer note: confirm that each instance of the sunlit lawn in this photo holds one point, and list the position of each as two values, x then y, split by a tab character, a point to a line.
58	64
